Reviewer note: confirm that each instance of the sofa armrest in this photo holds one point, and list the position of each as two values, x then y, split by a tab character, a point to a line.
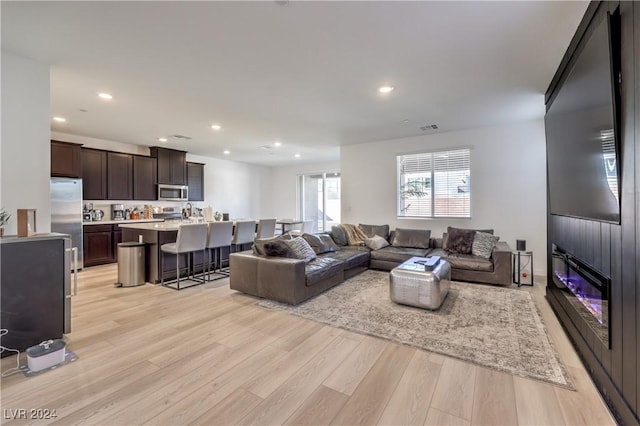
502	263
281	279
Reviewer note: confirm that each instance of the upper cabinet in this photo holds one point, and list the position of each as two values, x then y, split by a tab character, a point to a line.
195	180
172	165
119	176
65	159
94	174
144	178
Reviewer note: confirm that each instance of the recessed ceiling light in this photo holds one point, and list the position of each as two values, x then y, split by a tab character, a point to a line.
277	143
297	155
162	139
59	119
216	126
385	89
226	152
106	96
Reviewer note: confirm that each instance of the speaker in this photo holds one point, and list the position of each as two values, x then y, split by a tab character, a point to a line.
521	245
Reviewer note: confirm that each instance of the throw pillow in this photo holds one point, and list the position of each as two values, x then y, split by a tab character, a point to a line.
412	238
338	235
278	247
321	243
354	233
258	245
371	230
376	242
459	240
483	244
301	248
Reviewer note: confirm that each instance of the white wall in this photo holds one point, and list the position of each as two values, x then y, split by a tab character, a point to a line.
284	186
240	189
508	183
25	149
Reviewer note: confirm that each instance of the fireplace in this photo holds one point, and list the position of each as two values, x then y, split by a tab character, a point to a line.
585	289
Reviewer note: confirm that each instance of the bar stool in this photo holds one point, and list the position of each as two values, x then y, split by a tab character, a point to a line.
243	234
266	228
220	234
191	238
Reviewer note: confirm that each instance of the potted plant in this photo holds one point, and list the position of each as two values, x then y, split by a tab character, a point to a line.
4	218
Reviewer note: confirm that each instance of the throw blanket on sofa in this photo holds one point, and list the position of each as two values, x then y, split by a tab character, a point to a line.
355	235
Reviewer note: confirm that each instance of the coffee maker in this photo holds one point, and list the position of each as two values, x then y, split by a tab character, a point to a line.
117	211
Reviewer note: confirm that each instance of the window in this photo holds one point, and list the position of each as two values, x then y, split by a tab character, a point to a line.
435	184
319	200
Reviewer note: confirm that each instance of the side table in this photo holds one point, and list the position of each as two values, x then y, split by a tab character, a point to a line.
522	267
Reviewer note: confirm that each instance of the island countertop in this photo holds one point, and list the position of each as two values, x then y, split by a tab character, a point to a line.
153	226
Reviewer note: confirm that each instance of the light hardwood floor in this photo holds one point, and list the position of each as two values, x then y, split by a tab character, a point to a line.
208	355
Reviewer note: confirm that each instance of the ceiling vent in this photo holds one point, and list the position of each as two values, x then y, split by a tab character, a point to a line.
183	137
429	127
266	147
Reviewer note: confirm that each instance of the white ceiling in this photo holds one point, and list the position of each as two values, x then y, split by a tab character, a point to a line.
304	73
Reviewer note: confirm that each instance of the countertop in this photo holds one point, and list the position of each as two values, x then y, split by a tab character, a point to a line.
119	222
36	237
154	226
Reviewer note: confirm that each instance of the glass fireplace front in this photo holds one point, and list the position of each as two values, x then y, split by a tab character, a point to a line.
585	289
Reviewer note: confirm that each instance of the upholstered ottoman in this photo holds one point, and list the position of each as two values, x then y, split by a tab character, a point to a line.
410	284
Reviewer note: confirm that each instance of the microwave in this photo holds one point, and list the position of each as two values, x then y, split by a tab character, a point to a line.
173	192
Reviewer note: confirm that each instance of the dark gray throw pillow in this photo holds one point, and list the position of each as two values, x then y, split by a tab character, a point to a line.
413	238
278	247
459	240
320	243
372	230
339	236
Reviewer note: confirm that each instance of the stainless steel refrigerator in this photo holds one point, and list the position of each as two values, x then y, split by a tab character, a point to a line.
66	211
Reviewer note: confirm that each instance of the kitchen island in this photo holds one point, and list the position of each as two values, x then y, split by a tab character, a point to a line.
155	234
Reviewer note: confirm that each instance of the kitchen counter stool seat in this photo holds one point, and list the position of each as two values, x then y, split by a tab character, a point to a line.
219	236
244	234
191	238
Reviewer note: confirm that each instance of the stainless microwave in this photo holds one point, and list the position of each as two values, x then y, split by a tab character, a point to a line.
173	192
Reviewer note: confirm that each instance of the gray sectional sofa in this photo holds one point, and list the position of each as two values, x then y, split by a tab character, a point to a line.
292	280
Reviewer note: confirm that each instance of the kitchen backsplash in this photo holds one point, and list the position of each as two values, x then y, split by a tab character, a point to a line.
129	204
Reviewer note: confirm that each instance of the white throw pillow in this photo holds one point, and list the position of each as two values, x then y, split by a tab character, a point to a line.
376	242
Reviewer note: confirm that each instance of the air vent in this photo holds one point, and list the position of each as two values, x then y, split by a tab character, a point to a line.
429	127
181	137
266	147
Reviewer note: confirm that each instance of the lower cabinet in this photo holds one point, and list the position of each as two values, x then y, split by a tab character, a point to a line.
101	244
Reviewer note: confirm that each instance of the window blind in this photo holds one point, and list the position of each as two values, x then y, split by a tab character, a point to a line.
435	184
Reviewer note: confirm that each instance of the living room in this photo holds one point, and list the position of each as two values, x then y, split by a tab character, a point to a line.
258	178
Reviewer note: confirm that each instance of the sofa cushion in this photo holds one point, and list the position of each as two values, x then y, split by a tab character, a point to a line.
413	238
398	254
483	244
469	262
277	247
322	268
339	236
301	248
376	242
459	240
350	257
320	243
371	230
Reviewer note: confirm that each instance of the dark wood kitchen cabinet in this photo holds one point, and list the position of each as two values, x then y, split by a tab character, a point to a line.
98	244
195	181
172	165
144	178
119	176
94	174
66	159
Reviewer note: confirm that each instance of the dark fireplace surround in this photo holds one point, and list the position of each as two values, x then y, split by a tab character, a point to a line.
585	290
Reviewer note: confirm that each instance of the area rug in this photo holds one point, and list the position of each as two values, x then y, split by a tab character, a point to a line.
499	328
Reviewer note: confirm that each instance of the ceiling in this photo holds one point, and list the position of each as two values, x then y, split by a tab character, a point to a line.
302	73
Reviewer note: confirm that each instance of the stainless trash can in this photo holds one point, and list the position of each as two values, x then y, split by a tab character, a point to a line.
131	264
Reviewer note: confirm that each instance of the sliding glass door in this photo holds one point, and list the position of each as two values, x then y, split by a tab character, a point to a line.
319	200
